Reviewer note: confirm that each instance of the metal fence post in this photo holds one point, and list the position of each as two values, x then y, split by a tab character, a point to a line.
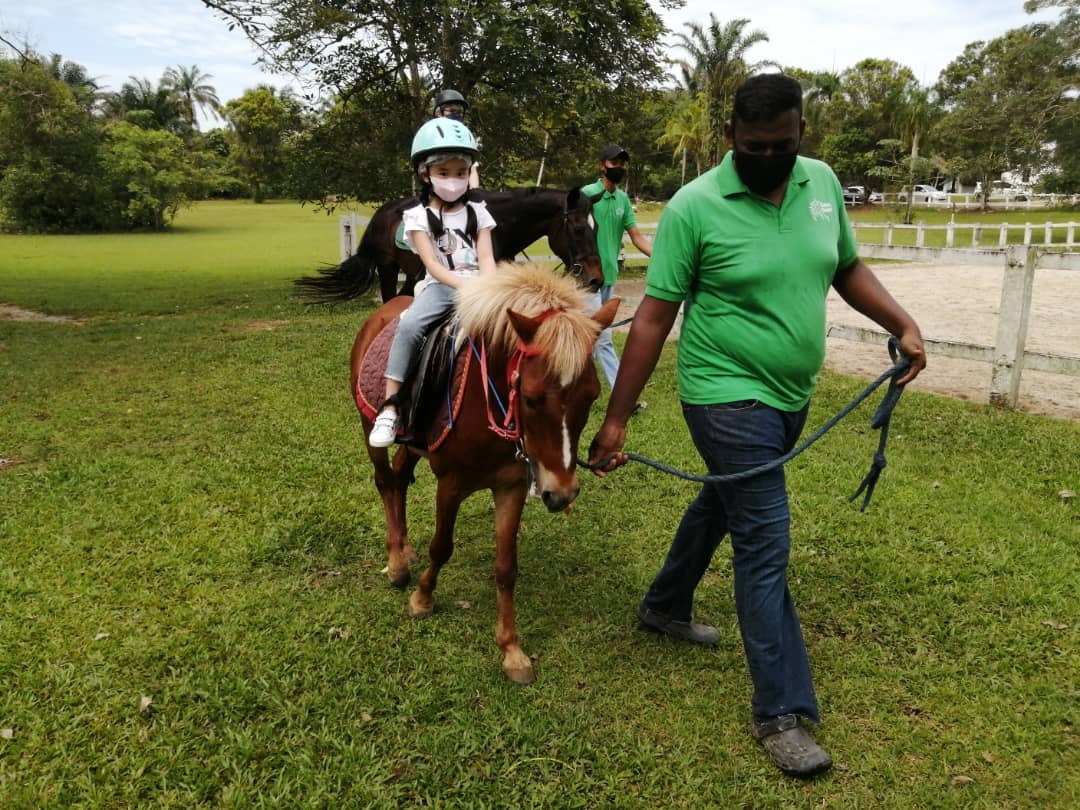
1016	287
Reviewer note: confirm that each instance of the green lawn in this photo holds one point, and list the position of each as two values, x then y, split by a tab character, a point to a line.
194	614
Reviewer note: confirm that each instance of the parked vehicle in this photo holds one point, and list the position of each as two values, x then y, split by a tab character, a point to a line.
921	193
876	197
854	195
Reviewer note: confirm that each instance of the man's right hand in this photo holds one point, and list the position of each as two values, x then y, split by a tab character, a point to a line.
605	452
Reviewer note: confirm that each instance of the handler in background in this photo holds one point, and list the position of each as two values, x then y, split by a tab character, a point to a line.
614	216
751	247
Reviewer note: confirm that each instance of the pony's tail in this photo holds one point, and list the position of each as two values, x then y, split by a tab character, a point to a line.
343	282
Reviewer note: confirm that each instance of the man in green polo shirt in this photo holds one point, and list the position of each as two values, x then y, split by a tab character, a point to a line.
752	247
614	216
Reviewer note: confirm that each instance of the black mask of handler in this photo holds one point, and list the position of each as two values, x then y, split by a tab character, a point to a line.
615	174
763	174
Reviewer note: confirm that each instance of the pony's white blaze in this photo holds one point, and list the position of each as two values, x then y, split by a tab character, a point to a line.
566	459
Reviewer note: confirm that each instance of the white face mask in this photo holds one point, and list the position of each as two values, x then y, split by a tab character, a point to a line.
450	189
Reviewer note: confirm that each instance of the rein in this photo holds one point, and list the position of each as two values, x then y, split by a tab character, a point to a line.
880	421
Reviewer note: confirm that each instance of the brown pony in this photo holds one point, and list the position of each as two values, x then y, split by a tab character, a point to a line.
538	342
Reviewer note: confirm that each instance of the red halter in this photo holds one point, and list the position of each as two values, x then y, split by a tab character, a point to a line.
510	429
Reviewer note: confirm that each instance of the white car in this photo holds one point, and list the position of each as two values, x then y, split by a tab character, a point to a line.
924	194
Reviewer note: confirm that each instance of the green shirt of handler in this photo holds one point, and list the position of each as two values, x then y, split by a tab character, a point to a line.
755	277
614	216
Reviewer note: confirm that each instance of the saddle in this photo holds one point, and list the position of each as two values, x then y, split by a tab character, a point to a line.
433	393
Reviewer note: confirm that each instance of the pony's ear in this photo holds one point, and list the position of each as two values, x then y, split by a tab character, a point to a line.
524	325
606	314
572	197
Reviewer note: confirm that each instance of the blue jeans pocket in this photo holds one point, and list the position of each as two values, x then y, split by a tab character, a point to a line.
737	405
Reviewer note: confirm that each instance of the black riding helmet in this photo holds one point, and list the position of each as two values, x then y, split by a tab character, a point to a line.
449	96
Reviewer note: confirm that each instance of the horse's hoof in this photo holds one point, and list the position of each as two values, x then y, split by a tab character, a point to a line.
420	608
518	666
399	579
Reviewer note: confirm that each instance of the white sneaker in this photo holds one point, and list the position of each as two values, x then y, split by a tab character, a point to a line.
385	430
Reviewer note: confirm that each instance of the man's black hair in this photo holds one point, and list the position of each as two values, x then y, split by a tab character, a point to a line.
765	96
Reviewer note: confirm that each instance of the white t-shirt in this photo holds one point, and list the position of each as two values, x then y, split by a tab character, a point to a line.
454	249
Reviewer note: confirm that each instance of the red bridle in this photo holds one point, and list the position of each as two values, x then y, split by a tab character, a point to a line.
510	429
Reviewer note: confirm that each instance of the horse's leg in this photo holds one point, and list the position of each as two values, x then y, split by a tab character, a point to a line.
392	481
447	502
509	502
388	274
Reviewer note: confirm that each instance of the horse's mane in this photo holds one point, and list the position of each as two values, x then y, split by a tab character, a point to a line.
565	341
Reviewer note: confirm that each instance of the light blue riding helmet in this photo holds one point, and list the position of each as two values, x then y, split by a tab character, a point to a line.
443	138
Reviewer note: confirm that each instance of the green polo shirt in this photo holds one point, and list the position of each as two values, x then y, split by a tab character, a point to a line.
614	216
754	278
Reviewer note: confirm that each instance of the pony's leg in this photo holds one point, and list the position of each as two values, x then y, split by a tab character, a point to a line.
447	502
392	482
509	503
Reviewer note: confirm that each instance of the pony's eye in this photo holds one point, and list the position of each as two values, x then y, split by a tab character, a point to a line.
533	403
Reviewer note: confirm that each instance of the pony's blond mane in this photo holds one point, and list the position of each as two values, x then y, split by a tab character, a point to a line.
565	341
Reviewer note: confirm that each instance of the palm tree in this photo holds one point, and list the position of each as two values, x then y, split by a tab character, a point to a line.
153	107
687	131
193	92
717	64
85	89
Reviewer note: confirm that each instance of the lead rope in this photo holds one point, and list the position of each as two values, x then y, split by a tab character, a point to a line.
880	421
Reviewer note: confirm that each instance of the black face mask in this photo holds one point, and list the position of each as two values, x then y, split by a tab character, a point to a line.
615	174
763	174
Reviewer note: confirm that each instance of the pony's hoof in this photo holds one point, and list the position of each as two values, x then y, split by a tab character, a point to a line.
519	669
399	579
420	608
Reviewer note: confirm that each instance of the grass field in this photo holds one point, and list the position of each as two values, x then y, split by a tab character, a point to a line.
193	613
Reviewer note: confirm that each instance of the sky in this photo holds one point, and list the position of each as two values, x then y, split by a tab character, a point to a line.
115	39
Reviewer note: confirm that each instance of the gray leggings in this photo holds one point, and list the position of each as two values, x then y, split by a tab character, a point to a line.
433	302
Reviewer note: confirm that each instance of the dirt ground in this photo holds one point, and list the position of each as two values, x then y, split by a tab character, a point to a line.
958	302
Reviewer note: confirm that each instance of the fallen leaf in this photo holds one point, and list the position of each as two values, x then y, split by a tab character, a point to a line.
936	485
987	756
365	717
464	604
6	733
1065	494
339	632
1055	625
144	703
101	636
963	780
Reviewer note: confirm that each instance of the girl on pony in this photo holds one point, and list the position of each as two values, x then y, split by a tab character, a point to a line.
452	237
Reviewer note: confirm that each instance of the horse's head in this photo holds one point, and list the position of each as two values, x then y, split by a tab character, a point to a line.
555	390
573	239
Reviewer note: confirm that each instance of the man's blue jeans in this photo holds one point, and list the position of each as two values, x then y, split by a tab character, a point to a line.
732	437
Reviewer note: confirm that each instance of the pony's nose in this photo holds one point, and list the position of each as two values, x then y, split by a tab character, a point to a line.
595	285
557	501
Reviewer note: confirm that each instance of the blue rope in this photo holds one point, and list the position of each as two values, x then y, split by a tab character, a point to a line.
491	385
879	421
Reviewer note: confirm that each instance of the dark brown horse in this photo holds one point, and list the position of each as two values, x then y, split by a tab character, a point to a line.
521	215
537	341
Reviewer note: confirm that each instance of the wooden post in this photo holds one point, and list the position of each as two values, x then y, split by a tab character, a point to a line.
949	234
1016	287
1027	233
976	235
1048	234
920	234
1070	234
888	233
1003	235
